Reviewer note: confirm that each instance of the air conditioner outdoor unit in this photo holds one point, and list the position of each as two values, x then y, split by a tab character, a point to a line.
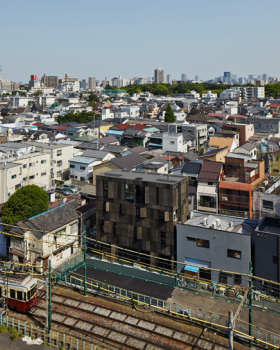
224	198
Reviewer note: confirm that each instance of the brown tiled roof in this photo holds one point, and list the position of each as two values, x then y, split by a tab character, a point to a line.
220	142
128	162
210	171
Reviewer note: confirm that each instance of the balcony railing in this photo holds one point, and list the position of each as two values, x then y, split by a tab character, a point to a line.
242	179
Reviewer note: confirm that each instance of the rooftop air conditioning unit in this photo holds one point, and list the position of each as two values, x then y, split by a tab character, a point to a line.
205	221
224	198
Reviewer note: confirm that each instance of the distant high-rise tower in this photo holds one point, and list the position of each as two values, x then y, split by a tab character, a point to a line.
184	77
168	78
226	77
159	75
196	78
91	83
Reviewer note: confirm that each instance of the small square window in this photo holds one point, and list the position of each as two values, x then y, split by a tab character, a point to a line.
13	176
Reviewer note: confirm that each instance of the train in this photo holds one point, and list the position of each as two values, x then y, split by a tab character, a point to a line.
22	292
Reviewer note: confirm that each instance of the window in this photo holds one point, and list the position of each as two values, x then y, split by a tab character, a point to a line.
24	165
129	190
58	174
13	176
267	204
82	167
32	164
59	163
204	243
24	179
223	278
12	293
191	239
43	161
19	295
140	193
210	183
17	187
59	153
163	239
237	279
60	233
236	254
43	174
74	229
137	211
31	177
275	259
105	189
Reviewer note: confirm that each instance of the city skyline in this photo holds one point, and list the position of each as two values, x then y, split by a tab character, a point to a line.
110	39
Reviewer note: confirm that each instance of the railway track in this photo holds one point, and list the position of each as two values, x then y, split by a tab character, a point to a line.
118	327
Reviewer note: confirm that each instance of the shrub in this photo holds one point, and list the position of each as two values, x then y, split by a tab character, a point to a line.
14	334
3	329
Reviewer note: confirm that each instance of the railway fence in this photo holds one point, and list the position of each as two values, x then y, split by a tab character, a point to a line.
51	338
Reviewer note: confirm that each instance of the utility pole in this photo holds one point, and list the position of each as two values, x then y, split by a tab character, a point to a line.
250	306
230	329
50	297
85	265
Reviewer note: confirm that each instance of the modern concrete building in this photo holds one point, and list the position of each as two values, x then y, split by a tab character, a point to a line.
159	76
218	242
139	210
91	83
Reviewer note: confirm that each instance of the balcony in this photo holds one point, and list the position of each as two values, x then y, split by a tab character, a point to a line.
242	179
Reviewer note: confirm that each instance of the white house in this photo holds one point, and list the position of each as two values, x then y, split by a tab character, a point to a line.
81	168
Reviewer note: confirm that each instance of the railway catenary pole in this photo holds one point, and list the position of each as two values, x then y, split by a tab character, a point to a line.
50	297
85	265
250	306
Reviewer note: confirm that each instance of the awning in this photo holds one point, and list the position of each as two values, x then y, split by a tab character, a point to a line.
191	268
16	253
198	263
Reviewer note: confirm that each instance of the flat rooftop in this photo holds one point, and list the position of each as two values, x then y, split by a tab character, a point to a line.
143	176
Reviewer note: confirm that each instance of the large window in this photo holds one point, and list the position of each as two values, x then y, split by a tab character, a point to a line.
129	190
267	204
203	243
236	254
105	189
140	193
207	201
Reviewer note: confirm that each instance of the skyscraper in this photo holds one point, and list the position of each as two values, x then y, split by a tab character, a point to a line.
184	77
159	75
91	83
168	78
226	77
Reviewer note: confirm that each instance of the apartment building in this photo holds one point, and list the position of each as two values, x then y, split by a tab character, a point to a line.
245	131
242	176
139	211
30	169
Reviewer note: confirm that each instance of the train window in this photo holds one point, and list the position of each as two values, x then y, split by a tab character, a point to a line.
24	295
19	295
33	291
28	295
12	293
0	292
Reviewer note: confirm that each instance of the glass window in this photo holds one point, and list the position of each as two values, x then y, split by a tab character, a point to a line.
82	167
203	243
12	293
19	295
236	254
140	193
59	153
32	164
43	174
129	190
13	176
191	239
267	204
237	279
105	189
59	163
31	177
24	165
43	161
72	166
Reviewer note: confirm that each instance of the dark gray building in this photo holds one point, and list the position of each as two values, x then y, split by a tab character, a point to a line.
139	211
215	241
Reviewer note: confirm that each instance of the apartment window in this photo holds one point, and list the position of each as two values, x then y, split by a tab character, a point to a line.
82	178
204	243
59	163
223	278
82	168
210	183
105	189
58	174
172	142
267	204
31	177
74	229
59	153
163	238
191	239
17	187
140	194
32	164
72	166
13	176
129	190
43	161
60	233
237	279
275	259
236	254
24	179
137	211
43	174
24	166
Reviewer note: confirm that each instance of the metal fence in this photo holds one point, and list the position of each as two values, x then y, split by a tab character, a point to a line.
52	338
214	320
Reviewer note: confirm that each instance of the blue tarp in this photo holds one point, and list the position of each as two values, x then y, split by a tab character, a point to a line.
191	268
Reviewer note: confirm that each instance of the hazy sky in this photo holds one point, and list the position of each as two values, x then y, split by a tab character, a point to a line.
108	38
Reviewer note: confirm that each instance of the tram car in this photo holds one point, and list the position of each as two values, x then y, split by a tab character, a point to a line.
22	292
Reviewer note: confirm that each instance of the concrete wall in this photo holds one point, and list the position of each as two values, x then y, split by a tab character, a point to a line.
216	254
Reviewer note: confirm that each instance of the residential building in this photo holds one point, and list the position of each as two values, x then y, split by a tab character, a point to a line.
20	101
208	186
248	148
274	164
218	242
266	203
91	83
52	235
159	76
139	211
50	80
242	176
245	130
81	168
266	125
222	142
199	131
216	155
173	141
183	78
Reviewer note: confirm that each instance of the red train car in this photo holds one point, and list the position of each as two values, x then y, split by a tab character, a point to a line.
22	292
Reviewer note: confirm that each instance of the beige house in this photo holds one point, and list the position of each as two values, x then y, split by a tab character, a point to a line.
52	235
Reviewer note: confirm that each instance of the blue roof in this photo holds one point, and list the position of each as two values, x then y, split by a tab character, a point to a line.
154	145
114	132
191	268
152	129
84	160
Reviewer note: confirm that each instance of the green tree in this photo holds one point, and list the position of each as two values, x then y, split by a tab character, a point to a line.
28	201
169	116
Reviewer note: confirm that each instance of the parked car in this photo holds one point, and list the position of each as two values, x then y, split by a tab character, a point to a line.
63	191
71	188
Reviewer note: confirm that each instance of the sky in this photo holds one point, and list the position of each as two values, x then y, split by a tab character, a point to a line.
129	38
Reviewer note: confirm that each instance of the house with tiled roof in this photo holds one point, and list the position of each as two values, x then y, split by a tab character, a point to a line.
208	185
222	142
